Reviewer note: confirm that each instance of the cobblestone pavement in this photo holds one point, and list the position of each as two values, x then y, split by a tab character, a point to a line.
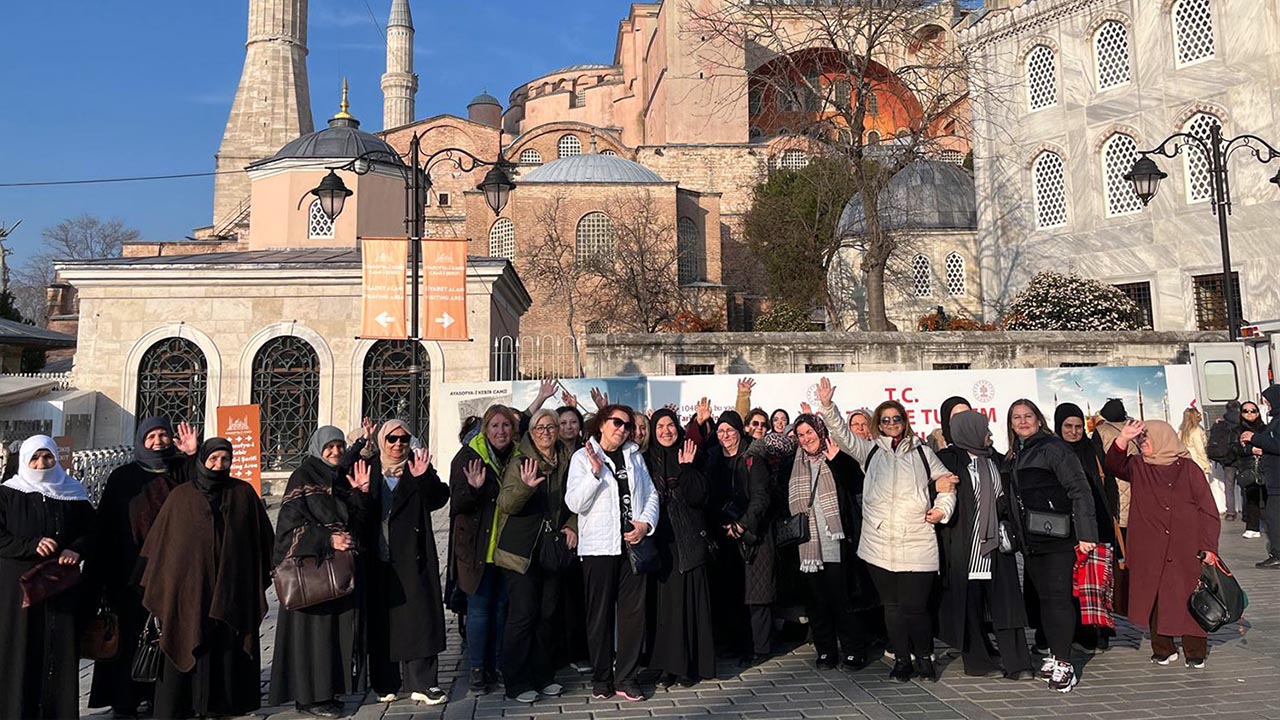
1241	680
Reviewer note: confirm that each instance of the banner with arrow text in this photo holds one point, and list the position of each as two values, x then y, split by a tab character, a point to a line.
444	290
384	262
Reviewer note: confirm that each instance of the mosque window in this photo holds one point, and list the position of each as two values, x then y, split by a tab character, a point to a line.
1111	54
955	274
793	160
688	252
569	146
872	103
955	157
1042	78
1140	294
1119	153
1211	304
173	379
1194	162
286	387
594	236
319	225
388	367
608	153
530	156
843	95
502	239
580	98
1050	190
873	138
597	327
1192	31
444	199
922	276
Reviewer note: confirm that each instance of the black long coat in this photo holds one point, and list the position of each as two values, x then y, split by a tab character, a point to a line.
39	645
745	482
1007	607
413	608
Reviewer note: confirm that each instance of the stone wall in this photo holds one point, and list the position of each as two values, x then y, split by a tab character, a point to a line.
741	353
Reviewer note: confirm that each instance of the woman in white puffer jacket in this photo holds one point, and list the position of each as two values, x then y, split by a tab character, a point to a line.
898	539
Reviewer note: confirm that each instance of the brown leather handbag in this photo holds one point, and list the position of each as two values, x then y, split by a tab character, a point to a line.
301	582
100	639
46	580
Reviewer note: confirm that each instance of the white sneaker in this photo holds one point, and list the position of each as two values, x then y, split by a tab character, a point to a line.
433	696
528	696
1250	534
389	697
555	689
1064	677
1046	668
1158	660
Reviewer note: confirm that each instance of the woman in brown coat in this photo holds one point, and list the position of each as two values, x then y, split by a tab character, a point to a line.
1172	520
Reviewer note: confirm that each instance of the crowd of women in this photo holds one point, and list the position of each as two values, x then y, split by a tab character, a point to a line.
612	543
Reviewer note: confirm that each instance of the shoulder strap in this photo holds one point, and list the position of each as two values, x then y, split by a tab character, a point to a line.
813	490
924	461
874	447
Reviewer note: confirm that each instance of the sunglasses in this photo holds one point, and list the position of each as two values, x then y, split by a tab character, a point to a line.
393	439
1248	412
891	420
619	422
545	428
756	423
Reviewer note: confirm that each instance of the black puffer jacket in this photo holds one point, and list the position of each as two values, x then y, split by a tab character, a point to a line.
1248	466
1046	475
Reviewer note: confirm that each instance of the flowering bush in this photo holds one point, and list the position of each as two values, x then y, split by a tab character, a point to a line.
783	318
1057	301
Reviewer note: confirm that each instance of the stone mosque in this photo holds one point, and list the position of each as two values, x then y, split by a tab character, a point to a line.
263	304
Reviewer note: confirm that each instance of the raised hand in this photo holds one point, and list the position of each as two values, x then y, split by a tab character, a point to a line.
599	398
359	476
746	384
826	392
806	408
569	399
474	471
46	547
830	449
419	462
187	441
367	427
703	410
687	453
529	473
597	463
547	389
1132	429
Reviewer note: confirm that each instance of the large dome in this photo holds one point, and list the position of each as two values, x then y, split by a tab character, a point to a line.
925	195
592	168
343	139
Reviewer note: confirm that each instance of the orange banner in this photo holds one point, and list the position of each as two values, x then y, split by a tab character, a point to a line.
242	426
444	290
384	261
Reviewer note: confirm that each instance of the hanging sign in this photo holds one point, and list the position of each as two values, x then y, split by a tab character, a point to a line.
384	262
241	425
444	290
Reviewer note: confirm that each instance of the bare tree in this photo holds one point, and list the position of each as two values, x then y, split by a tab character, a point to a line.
551	265
822	70
640	276
83	237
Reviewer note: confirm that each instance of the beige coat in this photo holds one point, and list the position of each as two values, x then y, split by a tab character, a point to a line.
895	499
1108	431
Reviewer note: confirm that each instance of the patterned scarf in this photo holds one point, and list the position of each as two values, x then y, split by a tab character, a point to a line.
826	505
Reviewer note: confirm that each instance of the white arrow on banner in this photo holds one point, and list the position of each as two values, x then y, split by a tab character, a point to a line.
384	319
446	320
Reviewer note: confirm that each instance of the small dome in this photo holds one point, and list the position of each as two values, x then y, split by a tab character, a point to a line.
484	98
343	139
592	168
925	195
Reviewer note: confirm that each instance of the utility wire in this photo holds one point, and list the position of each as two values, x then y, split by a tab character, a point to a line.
101	181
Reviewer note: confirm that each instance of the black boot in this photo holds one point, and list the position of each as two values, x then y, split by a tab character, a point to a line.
902	670
925	669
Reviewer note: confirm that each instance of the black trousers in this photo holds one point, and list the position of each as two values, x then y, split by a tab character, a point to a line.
529	640
1051	573
832	620
387	676
1255	496
1011	642
1271	522
906	610
615	600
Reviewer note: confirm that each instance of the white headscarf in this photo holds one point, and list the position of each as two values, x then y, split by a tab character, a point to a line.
53	483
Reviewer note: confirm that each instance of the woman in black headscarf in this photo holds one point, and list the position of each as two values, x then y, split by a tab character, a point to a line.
683	649
131	500
315	646
952	406
978	581
1250	476
208	563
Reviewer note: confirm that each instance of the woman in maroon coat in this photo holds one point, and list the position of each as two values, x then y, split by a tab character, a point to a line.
1172	519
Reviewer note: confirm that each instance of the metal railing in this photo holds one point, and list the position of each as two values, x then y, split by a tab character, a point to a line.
92	467
535	357
63	379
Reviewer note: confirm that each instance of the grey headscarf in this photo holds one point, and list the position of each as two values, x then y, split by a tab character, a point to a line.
971	431
321	437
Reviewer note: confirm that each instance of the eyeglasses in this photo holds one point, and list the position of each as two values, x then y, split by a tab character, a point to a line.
726	431
544	428
890	419
393	439
619	422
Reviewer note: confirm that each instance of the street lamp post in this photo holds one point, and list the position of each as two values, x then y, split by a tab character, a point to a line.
1216	150
496	186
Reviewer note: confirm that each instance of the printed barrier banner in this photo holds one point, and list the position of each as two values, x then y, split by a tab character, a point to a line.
384	262
242	426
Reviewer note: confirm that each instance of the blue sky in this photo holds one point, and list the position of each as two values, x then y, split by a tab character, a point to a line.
97	89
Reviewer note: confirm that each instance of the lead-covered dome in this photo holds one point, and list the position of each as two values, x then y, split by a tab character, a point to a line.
592	168
343	139
925	195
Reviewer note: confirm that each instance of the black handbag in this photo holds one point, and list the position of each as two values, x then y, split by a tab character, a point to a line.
794	530
1218	599
643	556
1045	523
146	661
554	554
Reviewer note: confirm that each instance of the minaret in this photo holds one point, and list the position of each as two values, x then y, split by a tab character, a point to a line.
272	105
399	83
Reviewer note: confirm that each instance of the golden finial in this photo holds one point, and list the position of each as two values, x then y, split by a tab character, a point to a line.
344	106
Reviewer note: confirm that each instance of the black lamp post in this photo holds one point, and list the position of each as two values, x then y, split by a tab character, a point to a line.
496	186
1146	177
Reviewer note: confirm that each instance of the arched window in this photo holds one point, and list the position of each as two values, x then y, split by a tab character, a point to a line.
173	381
502	239
1050	190
922	276
793	160
1042	78
1119	153
388	367
319	225
286	388
1111	54
608	153
594	236
873	138
688	251
1192	31
569	146
955	274
1194	163
530	156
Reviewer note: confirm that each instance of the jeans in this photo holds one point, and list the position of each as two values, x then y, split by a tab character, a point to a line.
528	645
906	610
832	621
1053	574
486	618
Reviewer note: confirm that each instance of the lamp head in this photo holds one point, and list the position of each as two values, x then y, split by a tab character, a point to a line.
1145	177
333	194
497	186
